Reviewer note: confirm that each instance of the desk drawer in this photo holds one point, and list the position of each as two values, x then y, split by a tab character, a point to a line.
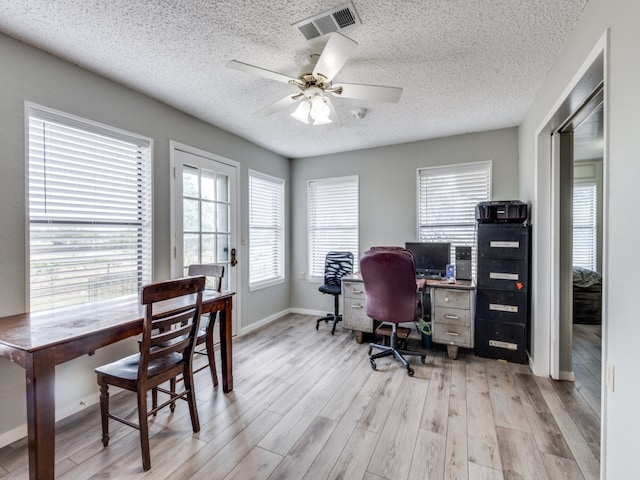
452	298
353	290
355	317
452	335
452	316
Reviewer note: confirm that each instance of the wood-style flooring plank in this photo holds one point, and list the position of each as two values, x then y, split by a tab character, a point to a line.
257	465
428	456
587	462
506	403
520	458
482	442
479	472
394	451
545	430
356	455
558	467
456	444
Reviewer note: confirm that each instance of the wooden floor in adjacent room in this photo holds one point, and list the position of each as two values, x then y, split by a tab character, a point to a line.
306	405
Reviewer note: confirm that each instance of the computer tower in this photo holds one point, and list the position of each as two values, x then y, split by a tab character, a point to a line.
463	263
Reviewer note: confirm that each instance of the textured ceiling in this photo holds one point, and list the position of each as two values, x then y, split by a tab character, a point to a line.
464	65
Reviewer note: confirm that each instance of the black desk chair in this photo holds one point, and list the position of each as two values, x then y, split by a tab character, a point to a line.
389	275
336	266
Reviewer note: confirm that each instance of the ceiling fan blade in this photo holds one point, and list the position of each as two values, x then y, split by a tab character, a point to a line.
333	116
279	105
335	54
261	72
369	92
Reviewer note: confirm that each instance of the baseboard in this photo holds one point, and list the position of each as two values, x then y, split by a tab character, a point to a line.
304	311
264	322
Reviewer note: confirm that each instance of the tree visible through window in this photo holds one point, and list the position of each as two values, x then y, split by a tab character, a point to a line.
89	211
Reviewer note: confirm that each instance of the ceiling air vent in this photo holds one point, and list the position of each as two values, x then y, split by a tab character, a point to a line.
335	20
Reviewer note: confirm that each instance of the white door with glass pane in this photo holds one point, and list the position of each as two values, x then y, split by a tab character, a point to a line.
204	214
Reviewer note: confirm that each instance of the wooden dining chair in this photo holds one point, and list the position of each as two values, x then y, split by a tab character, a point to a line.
214	272
168	343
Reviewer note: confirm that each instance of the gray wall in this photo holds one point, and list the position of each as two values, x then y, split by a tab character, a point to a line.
621	328
28	74
387	183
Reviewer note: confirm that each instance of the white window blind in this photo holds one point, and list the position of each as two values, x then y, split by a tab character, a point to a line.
266	230
333	220
584	225
89	211
447	197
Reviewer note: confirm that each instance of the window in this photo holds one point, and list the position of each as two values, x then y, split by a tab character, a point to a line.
266	230
89	211
584	224
447	197
333	220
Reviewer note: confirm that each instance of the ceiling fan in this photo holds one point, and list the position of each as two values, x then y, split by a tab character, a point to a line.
315	106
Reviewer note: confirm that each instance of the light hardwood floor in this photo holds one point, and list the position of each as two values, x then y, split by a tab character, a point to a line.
306	405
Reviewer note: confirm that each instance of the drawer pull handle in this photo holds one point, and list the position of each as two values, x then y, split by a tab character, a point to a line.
452	317
453	334
356	305
357	291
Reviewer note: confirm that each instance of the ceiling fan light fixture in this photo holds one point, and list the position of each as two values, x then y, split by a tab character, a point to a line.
320	111
302	112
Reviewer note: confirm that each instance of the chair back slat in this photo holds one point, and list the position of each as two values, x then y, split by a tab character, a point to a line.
213	271
175	331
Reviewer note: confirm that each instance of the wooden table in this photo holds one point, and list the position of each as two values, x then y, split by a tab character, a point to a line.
39	341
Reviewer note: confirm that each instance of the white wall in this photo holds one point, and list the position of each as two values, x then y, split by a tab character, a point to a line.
28	74
621	328
387	182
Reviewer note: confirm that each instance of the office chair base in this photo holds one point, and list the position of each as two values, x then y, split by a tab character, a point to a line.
395	352
330	318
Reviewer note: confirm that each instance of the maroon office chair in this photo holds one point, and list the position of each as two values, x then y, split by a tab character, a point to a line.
389	275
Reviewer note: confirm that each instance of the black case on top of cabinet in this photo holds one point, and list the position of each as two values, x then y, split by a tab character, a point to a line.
502	297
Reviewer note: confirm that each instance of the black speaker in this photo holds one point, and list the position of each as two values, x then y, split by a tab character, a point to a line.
463	263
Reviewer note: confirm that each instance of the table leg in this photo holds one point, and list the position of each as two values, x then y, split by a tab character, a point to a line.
40	377
226	347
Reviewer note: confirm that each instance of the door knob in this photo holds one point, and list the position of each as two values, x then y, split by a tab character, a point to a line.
234	261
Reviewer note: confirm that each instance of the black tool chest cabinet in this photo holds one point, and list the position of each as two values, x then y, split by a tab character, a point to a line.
503	324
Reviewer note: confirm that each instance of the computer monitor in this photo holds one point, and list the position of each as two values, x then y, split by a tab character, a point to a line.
431	257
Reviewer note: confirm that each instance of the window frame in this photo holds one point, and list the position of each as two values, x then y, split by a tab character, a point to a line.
279	226
318	276
486	168
145	191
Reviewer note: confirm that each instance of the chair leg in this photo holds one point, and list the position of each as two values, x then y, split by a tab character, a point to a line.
210	352
172	389
336	315
104	410
154	399
144	430
191	398
393	350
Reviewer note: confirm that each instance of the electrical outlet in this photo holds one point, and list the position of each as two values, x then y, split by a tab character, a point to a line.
303	275
611	374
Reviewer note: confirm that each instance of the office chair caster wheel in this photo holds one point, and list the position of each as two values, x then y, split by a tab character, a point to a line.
373	364
410	371
423	359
